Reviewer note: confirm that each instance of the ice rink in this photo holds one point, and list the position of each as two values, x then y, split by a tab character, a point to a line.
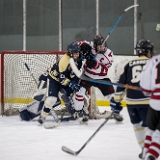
27	141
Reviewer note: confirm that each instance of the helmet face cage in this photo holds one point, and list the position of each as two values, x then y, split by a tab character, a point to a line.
143	46
73	48
98	40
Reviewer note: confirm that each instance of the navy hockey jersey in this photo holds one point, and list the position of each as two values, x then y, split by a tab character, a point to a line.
62	71
131	76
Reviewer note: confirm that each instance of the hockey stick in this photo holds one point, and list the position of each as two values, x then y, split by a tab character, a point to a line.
110	83
27	67
117	21
75	153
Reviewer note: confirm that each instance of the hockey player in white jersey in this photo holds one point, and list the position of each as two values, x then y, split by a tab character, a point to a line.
96	68
150	85
137	103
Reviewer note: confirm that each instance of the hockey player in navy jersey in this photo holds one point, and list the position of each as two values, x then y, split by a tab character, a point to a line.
73	71
150	85
61	75
137	103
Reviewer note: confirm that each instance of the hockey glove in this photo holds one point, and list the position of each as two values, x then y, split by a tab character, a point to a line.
116	108
85	49
74	86
92	64
86	52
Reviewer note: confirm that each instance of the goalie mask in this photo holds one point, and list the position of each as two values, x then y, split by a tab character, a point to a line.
98	41
144	47
73	48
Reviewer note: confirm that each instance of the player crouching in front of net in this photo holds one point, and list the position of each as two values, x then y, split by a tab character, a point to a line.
137	103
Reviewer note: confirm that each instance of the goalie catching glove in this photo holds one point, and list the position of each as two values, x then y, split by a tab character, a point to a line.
116	108
74	86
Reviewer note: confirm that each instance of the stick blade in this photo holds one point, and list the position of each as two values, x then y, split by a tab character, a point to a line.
52	126
136	5
69	151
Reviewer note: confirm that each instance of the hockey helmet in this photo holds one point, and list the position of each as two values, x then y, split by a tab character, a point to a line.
73	48
143	46
98	40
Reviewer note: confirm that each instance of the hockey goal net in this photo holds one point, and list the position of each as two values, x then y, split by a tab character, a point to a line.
17	83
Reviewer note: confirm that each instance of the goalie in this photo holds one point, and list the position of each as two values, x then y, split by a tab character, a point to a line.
59	82
33	109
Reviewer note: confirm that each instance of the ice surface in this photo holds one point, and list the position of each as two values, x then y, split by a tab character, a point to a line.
26	141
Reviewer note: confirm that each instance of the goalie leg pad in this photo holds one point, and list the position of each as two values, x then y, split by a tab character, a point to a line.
25	115
31	111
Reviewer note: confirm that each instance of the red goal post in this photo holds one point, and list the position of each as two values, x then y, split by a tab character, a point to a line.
17	85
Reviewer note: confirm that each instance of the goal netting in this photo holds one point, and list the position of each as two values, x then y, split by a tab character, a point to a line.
17	83
18	86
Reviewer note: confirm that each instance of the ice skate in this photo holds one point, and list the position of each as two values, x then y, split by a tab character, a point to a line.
151	158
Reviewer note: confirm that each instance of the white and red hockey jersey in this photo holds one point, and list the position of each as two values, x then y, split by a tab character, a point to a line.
150	81
105	61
